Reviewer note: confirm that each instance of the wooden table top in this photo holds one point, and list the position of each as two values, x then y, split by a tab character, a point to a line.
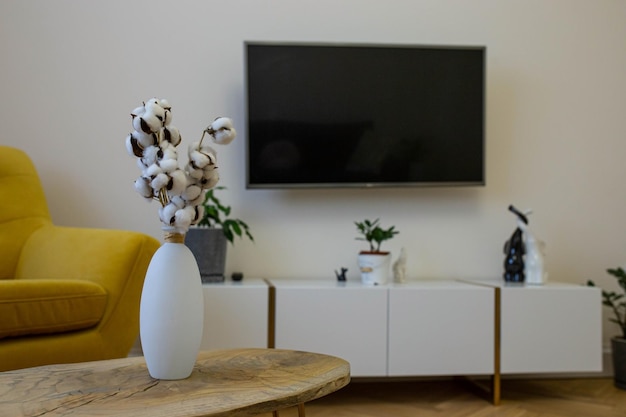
237	382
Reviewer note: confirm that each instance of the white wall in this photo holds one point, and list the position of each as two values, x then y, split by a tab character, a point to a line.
71	71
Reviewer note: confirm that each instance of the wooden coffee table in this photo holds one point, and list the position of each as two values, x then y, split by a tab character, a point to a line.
238	382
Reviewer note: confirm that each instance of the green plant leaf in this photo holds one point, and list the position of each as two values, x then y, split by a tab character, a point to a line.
216	214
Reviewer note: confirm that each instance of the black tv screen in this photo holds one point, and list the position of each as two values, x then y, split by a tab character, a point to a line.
325	115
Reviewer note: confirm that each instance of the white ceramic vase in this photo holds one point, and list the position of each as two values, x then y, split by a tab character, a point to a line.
374	267
171	311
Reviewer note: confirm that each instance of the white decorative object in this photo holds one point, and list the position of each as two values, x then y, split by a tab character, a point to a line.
399	268
374	267
534	264
171	311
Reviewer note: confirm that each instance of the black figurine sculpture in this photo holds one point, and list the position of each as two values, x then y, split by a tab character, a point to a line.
514	250
341	276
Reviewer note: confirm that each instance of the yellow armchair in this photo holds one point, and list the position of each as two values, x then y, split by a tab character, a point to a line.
66	294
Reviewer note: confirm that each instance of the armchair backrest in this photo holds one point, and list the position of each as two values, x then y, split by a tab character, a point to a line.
23	207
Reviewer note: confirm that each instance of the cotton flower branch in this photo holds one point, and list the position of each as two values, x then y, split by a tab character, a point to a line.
154	142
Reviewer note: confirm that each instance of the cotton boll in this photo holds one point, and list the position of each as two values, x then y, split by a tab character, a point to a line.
201	160
137	124
199	213
182	219
167	119
221	123
148	123
178	182
138	111
191	192
152	103
169	159
171	134
209	170
205	148
133	147
151	155
145	139
167	214
154	119
194	173
211	180
169	165
165	104
153	170
222	130
141	165
197	202
193	212
204	158
156	110
224	136
160	181
153	106
169	151
142	186
178	201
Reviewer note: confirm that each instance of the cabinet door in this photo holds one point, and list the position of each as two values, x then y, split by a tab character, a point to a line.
551	328
235	315
441	328
347	322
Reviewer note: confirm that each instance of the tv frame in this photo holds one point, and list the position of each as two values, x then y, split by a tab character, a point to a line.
358	184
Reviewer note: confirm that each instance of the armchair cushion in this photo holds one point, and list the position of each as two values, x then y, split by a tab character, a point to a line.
30	306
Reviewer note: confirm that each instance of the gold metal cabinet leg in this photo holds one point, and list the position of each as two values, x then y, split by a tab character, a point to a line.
496	379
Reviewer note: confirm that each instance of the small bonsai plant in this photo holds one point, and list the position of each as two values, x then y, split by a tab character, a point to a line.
216	214
616	301
374	234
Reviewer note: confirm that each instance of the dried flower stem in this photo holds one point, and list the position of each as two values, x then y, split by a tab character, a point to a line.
163	198
202	138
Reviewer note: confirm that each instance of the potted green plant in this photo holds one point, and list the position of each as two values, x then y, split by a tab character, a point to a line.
374	263
616	301
208	241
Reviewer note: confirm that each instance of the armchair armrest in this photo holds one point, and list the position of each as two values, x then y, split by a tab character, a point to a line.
116	260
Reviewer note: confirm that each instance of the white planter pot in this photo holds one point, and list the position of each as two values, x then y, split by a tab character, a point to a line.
171	312
374	267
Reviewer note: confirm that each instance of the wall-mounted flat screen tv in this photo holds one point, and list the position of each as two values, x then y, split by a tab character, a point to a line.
337	115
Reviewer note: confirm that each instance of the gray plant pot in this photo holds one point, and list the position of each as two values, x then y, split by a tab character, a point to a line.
618	344
209	246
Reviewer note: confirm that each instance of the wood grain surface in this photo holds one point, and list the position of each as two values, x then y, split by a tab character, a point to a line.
239	382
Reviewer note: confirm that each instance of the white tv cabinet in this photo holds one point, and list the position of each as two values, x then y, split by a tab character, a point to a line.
421	328
345	320
235	314
550	328
440	328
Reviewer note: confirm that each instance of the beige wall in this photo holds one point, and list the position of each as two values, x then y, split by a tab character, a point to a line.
71	71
